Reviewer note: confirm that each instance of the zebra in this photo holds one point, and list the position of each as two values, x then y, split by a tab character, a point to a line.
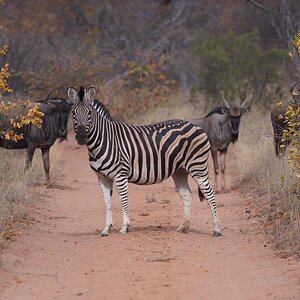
120	153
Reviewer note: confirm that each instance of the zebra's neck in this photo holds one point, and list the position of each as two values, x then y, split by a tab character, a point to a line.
101	109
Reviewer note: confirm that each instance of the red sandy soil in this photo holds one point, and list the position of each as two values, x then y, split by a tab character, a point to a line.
62	256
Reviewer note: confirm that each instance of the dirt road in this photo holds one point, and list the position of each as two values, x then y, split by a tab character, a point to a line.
62	256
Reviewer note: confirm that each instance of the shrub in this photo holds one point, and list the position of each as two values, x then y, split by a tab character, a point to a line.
236	64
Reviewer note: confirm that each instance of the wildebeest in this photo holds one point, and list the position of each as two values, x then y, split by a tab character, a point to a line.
56	114
222	128
279	121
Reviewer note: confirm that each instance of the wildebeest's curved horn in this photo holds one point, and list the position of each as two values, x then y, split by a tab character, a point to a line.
226	103
292	89
244	101
48	97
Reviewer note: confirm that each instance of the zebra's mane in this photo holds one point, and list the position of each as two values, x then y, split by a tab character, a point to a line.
101	109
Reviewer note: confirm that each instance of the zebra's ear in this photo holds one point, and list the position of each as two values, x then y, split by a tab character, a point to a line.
90	94
73	95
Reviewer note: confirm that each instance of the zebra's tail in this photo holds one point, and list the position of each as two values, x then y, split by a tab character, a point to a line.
201	196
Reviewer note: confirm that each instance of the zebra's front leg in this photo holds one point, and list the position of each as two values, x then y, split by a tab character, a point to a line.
121	184
181	182
106	187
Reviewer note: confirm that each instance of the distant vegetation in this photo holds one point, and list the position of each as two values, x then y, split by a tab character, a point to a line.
237	65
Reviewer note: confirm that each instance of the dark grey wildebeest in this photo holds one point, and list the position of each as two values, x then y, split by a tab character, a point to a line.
56	114
279	121
222	128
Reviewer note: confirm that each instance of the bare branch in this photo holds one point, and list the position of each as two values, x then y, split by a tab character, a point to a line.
269	14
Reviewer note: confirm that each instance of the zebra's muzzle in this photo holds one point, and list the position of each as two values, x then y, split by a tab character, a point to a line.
81	135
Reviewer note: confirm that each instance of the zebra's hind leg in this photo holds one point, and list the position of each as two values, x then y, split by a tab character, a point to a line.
181	182
121	184
209	195
106	187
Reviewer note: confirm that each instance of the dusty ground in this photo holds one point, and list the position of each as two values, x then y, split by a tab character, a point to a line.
62	256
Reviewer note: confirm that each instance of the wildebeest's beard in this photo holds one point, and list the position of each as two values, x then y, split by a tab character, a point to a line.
63	126
81	135
235	124
63	117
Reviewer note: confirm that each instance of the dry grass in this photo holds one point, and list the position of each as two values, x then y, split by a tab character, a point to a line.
270	180
15	192
178	106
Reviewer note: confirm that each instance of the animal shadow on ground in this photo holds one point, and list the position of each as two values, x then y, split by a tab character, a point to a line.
133	229
55	185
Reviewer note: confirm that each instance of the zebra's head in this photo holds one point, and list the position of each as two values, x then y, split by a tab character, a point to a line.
82	111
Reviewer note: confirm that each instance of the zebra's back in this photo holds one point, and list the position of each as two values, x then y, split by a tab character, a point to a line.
155	152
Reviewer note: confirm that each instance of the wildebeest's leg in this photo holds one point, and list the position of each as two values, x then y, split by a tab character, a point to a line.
46	162
223	166
181	182
214	154
278	134
106	187
121	183
29	156
209	195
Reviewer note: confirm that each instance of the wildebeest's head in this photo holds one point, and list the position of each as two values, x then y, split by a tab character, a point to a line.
82	111
61	108
235	113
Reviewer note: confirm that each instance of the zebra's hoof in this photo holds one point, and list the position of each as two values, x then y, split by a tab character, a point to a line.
124	231
225	191
217	234
184	227
104	233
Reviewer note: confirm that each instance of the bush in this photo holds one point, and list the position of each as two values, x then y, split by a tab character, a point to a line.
15	114
142	87
236	65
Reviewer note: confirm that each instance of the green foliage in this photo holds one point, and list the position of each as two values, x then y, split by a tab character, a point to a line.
236	64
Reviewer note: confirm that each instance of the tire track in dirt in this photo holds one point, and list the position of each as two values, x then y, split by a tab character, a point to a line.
62	256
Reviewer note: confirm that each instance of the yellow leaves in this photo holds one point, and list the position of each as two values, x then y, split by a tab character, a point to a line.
292	133
11	135
280	116
296	42
4	73
18	113
3	50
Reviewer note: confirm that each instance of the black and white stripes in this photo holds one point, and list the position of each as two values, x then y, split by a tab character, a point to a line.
148	154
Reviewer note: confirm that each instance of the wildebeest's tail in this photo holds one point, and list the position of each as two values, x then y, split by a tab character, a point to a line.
201	196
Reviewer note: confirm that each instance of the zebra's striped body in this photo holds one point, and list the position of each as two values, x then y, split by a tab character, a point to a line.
148	154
